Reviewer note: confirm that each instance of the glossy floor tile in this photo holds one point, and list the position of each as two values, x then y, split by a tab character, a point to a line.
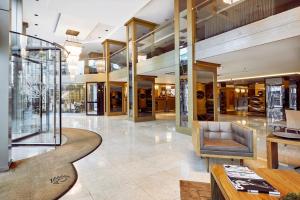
141	161
135	161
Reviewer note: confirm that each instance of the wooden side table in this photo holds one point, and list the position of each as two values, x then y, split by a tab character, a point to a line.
272	148
284	181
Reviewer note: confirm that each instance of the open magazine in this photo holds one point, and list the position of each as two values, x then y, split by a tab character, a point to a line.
244	179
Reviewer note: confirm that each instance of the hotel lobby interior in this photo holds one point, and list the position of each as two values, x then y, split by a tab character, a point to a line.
150	100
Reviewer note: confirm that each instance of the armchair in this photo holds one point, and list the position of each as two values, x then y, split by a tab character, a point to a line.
223	140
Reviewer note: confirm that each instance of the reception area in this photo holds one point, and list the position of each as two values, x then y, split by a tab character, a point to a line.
150	100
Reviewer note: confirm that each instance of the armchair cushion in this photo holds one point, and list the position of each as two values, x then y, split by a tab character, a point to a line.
224	145
226	138
243	135
216	130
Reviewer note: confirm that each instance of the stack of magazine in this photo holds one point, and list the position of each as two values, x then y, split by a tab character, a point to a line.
244	179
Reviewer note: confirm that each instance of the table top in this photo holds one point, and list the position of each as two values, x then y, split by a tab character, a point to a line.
281	140
284	181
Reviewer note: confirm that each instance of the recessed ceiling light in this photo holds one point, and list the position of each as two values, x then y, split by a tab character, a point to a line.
36	15
36	24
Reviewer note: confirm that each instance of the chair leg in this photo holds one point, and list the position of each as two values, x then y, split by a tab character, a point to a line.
207	164
241	162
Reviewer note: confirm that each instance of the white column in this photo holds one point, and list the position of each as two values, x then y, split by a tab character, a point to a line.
17	16
5	131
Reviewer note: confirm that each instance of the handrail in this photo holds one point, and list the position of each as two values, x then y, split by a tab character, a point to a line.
155	30
220	11
201	4
120	50
96	58
53	43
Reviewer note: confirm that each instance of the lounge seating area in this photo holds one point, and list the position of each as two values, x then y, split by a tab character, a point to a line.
223	140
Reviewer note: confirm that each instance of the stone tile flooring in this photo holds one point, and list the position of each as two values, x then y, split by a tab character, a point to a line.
140	161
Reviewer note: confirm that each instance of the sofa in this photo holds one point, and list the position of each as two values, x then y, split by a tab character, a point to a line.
223	140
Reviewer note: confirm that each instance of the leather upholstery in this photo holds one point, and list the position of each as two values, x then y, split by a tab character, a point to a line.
226	138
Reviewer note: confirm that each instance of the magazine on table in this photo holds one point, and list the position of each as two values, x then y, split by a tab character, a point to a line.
244	179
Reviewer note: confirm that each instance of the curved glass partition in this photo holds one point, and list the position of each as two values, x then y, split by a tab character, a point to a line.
156	42
118	60
215	17
35	85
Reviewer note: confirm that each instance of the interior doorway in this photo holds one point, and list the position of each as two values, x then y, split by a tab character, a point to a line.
94	98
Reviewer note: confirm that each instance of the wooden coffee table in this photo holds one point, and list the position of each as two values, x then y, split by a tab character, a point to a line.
284	181
272	148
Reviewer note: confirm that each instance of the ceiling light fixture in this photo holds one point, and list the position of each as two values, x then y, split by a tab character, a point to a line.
36	15
74	48
36	24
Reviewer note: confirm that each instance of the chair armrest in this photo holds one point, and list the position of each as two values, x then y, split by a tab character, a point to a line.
243	135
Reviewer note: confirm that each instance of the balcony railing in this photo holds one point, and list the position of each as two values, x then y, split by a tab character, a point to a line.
118	60
214	17
157	42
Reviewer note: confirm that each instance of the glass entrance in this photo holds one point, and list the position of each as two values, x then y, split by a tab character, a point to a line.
35	78
94	98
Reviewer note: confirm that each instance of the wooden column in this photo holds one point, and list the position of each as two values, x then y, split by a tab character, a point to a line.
132	59
207	67
176	56
107	71
182	8
191	60
272	155
107	46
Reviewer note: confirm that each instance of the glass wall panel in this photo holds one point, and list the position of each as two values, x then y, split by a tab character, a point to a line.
92	109
73	98
116	98
145	98
130	80
91	98
183	64
96	66
94	98
157	42
118	60
35	83
275	94
205	96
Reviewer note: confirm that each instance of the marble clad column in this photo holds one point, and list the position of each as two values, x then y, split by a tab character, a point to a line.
5	130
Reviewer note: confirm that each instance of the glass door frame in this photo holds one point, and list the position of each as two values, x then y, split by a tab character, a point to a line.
57	129
98	113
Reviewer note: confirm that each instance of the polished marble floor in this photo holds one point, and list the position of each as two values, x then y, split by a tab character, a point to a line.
140	161
137	161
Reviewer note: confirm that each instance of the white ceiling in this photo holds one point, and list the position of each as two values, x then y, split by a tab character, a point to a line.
92	18
271	58
264	60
